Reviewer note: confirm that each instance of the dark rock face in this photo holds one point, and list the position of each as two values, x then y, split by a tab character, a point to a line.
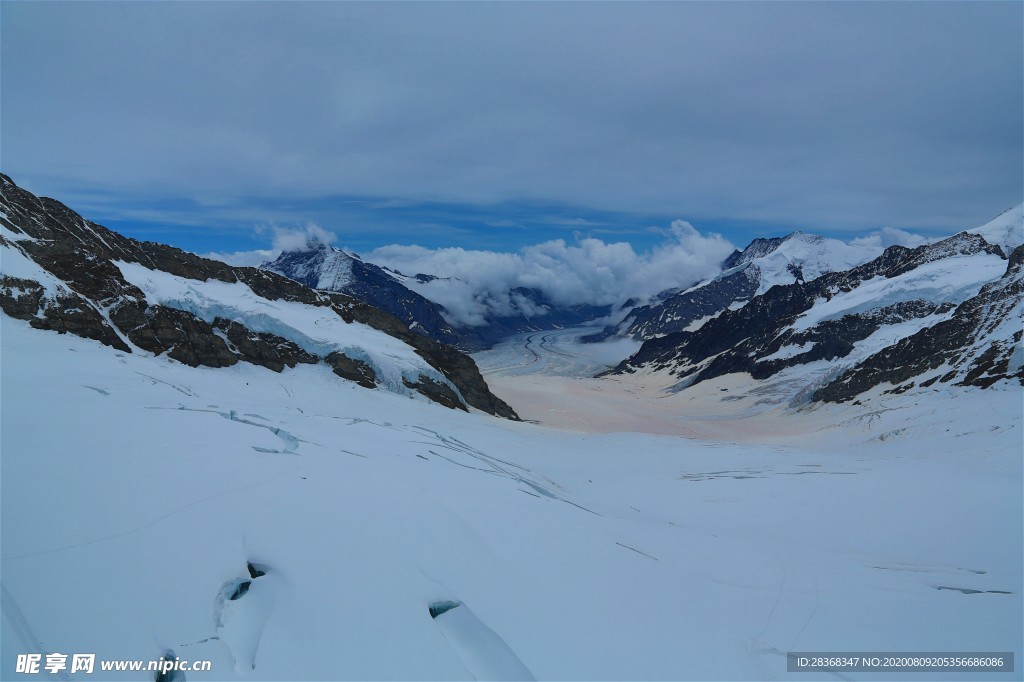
463	372
436	391
352	369
25	300
260	348
92	299
187	339
744	340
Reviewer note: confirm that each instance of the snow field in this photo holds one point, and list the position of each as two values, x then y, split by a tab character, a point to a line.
134	489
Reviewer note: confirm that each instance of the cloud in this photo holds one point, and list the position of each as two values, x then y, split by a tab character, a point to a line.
300	238
283	240
480	284
818	116
254	258
889	236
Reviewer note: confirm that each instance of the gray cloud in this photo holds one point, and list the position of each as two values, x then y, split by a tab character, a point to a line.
817	115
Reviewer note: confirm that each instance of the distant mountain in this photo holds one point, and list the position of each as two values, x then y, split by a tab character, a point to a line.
552	315
406	297
62	273
763	264
944	312
326	268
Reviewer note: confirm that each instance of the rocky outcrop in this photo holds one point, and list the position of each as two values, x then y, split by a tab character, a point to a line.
352	369
261	348
460	369
66	312
436	391
91	298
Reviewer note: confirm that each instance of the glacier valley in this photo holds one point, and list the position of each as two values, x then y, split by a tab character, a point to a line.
136	489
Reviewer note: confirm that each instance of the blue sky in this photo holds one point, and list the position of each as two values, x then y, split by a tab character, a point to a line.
495	126
366	223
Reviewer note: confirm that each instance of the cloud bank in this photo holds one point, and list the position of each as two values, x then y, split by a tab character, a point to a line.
480	284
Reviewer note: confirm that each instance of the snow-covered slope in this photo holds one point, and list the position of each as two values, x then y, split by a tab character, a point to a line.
317	330
803	257
139	495
1006	230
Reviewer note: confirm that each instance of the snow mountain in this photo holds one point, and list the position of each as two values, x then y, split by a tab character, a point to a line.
949	311
324	267
63	273
327	268
750	272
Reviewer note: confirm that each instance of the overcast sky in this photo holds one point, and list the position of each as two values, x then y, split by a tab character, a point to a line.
495	126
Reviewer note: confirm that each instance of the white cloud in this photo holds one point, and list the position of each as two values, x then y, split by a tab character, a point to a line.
254	258
299	238
479	284
284	239
889	236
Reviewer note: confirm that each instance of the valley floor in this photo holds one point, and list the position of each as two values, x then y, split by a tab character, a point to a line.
661	538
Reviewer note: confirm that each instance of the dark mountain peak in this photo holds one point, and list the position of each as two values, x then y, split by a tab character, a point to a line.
755	249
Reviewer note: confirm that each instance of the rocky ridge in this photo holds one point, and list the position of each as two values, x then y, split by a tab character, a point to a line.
968	342
764	263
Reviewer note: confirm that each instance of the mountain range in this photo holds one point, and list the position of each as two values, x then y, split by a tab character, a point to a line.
806	318
948	311
64	273
752	271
